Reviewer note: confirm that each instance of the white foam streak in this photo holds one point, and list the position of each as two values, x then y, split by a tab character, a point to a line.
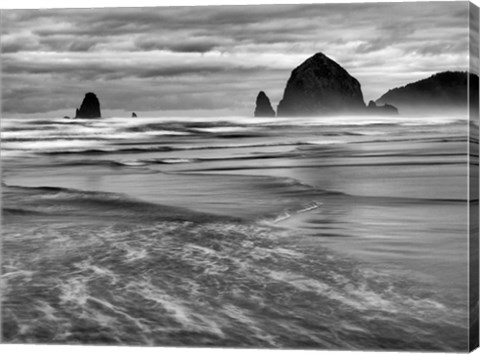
74	291
183	314
222	129
47	145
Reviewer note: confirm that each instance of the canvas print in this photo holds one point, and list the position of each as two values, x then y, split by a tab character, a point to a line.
256	176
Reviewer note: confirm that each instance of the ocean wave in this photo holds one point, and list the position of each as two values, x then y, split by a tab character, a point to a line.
326	142
223	129
119	149
68	201
66	145
77	146
112	150
303	209
146	162
57	136
173	161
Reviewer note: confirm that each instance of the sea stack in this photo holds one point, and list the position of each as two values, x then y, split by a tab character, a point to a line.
320	86
263	106
385	109
90	107
134	114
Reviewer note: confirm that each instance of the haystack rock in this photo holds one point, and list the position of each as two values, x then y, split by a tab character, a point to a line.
90	107
263	106
134	114
319	86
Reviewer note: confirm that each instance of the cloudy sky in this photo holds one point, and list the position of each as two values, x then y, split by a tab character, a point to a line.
213	60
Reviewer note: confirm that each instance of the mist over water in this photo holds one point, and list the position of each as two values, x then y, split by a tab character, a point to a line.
331	233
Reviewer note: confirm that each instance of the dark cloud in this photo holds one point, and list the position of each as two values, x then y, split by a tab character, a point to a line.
12	47
79	68
185	44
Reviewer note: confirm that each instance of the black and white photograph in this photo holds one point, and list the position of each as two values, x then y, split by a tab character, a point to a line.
264	176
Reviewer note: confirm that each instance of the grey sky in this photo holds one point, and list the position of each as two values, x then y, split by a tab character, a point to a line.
213	60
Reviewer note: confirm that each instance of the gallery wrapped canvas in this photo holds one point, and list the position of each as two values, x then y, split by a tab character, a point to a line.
296	176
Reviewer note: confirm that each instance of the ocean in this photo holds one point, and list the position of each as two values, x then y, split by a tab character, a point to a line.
328	233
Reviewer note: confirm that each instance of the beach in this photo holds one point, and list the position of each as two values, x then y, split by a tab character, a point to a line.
329	233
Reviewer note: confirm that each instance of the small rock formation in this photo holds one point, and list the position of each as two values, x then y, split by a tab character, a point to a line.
439	92
67	117
134	114
319	86
263	107
90	107
385	109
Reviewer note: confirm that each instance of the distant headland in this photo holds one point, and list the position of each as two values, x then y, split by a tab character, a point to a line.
443	90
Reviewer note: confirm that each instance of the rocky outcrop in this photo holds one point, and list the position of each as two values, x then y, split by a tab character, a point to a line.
438	92
134	114
90	107
372	108
320	86
263	106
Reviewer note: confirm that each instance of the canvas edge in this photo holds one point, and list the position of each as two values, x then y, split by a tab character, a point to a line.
473	188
